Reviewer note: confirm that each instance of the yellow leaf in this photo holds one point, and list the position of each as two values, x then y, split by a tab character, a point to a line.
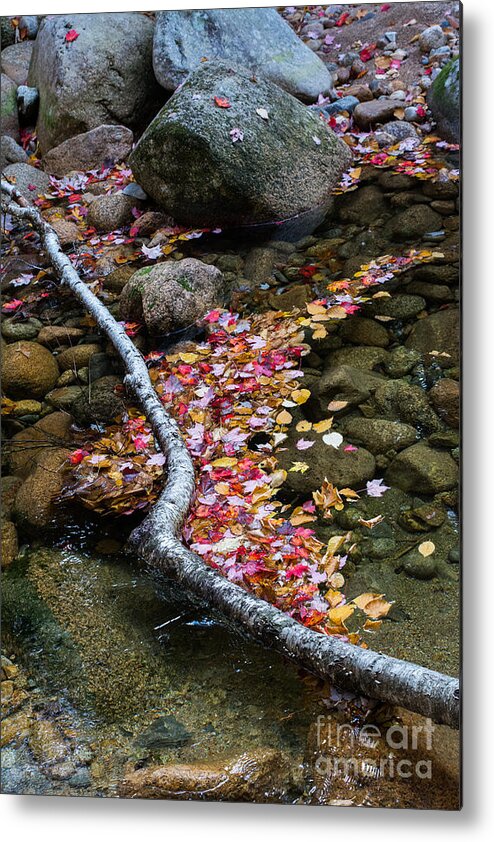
337	312
299	516
222	488
303	427
323	426
333	597
426	548
224	462
350	493
399	113
377	608
300	395
335	543
316	309
283	417
341	613
299	467
189	358
336	406
320	332
372	625
364	599
337	580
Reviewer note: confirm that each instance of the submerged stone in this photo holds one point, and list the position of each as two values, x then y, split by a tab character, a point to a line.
228	149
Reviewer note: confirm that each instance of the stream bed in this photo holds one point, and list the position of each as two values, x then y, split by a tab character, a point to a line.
108	670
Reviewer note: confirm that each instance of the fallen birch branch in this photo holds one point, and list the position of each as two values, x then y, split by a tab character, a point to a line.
157	542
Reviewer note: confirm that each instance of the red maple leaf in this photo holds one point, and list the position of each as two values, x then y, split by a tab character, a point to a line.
221	102
71	35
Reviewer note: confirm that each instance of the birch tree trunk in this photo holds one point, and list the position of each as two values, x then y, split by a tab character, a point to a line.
157	542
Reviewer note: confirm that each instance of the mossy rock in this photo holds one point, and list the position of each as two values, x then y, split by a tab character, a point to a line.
443	100
286	162
28	370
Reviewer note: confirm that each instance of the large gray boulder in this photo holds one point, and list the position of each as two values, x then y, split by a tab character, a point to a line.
258	39
262	158
104	76
443	100
8	98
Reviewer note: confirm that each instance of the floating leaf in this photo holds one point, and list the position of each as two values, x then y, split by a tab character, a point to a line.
426	548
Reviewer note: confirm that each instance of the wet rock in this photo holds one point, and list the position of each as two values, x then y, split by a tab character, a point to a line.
100	403
431	38
8	99
445	397
29	181
432	292
35	502
115	281
364	357
10	545
244	37
11	152
364	331
423	470
77	356
439	332
259	264
379	435
172	295
107	74
360	91
27	104
344	383
10	486
418	567
8	31
399	306
103	146
164	732
447	274
363	205
26	407
28	446
67	232
345	103
400	361
13	330
343	468
108	213
63	397
402	401
15	61
15	728
400	130
258	776
28	370
412	223
443	99
422	518
368	114
188	163
47	743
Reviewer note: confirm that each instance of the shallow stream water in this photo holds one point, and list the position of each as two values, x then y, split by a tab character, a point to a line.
104	650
